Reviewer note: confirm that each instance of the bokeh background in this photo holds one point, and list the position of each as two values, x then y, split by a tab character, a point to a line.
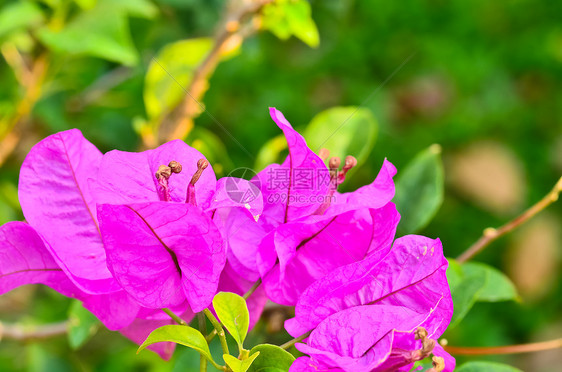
481	78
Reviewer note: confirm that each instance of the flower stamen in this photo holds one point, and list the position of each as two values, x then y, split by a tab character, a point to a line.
336	178
202	164
162	175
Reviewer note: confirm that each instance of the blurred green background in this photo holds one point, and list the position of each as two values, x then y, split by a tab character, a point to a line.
482	79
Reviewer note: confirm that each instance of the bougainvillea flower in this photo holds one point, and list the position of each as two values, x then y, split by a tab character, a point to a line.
57	201
295	254
163	253
405	290
169	248
307	229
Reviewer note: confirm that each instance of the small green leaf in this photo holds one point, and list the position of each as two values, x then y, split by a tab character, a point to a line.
419	190
272	359
238	365
171	72
344	131
83	325
233	314
465	290
471	282
486	366
179	334
498	287
291	17
102	31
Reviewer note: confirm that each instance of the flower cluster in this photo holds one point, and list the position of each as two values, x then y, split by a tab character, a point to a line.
131	233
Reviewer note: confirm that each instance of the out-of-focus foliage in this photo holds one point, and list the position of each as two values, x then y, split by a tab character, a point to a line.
480	78
419	190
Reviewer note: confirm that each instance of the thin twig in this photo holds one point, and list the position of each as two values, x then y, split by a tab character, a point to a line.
510	349
491	234
176	318
33	81
203	330
32	332
253	289
219	329
178	123
288	344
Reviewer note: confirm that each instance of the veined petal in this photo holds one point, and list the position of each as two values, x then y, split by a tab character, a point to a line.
411	275
297	254
162	253
129	177
24	259
359	338
56	200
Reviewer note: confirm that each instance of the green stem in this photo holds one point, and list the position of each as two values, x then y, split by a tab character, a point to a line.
203	330
176	318
253	289
288	344
218	328
211	335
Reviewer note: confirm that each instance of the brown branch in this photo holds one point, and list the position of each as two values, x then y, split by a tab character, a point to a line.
491	234
32	81
179	122
20	332
510	349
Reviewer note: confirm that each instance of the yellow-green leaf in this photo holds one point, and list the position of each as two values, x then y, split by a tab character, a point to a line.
272	359
291	17
170	72
179	334
233	314
237	365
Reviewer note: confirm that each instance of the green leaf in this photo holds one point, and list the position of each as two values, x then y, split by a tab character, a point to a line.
233	314
344	131
471	282
83	325
163	92
498	287
102	31
21	14
238	365
272	359
291	17
179	334
419	190
465	290
486	366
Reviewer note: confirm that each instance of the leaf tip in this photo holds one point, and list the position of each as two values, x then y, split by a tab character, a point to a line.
435	149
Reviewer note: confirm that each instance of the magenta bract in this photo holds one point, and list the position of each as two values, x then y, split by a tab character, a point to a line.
404	290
